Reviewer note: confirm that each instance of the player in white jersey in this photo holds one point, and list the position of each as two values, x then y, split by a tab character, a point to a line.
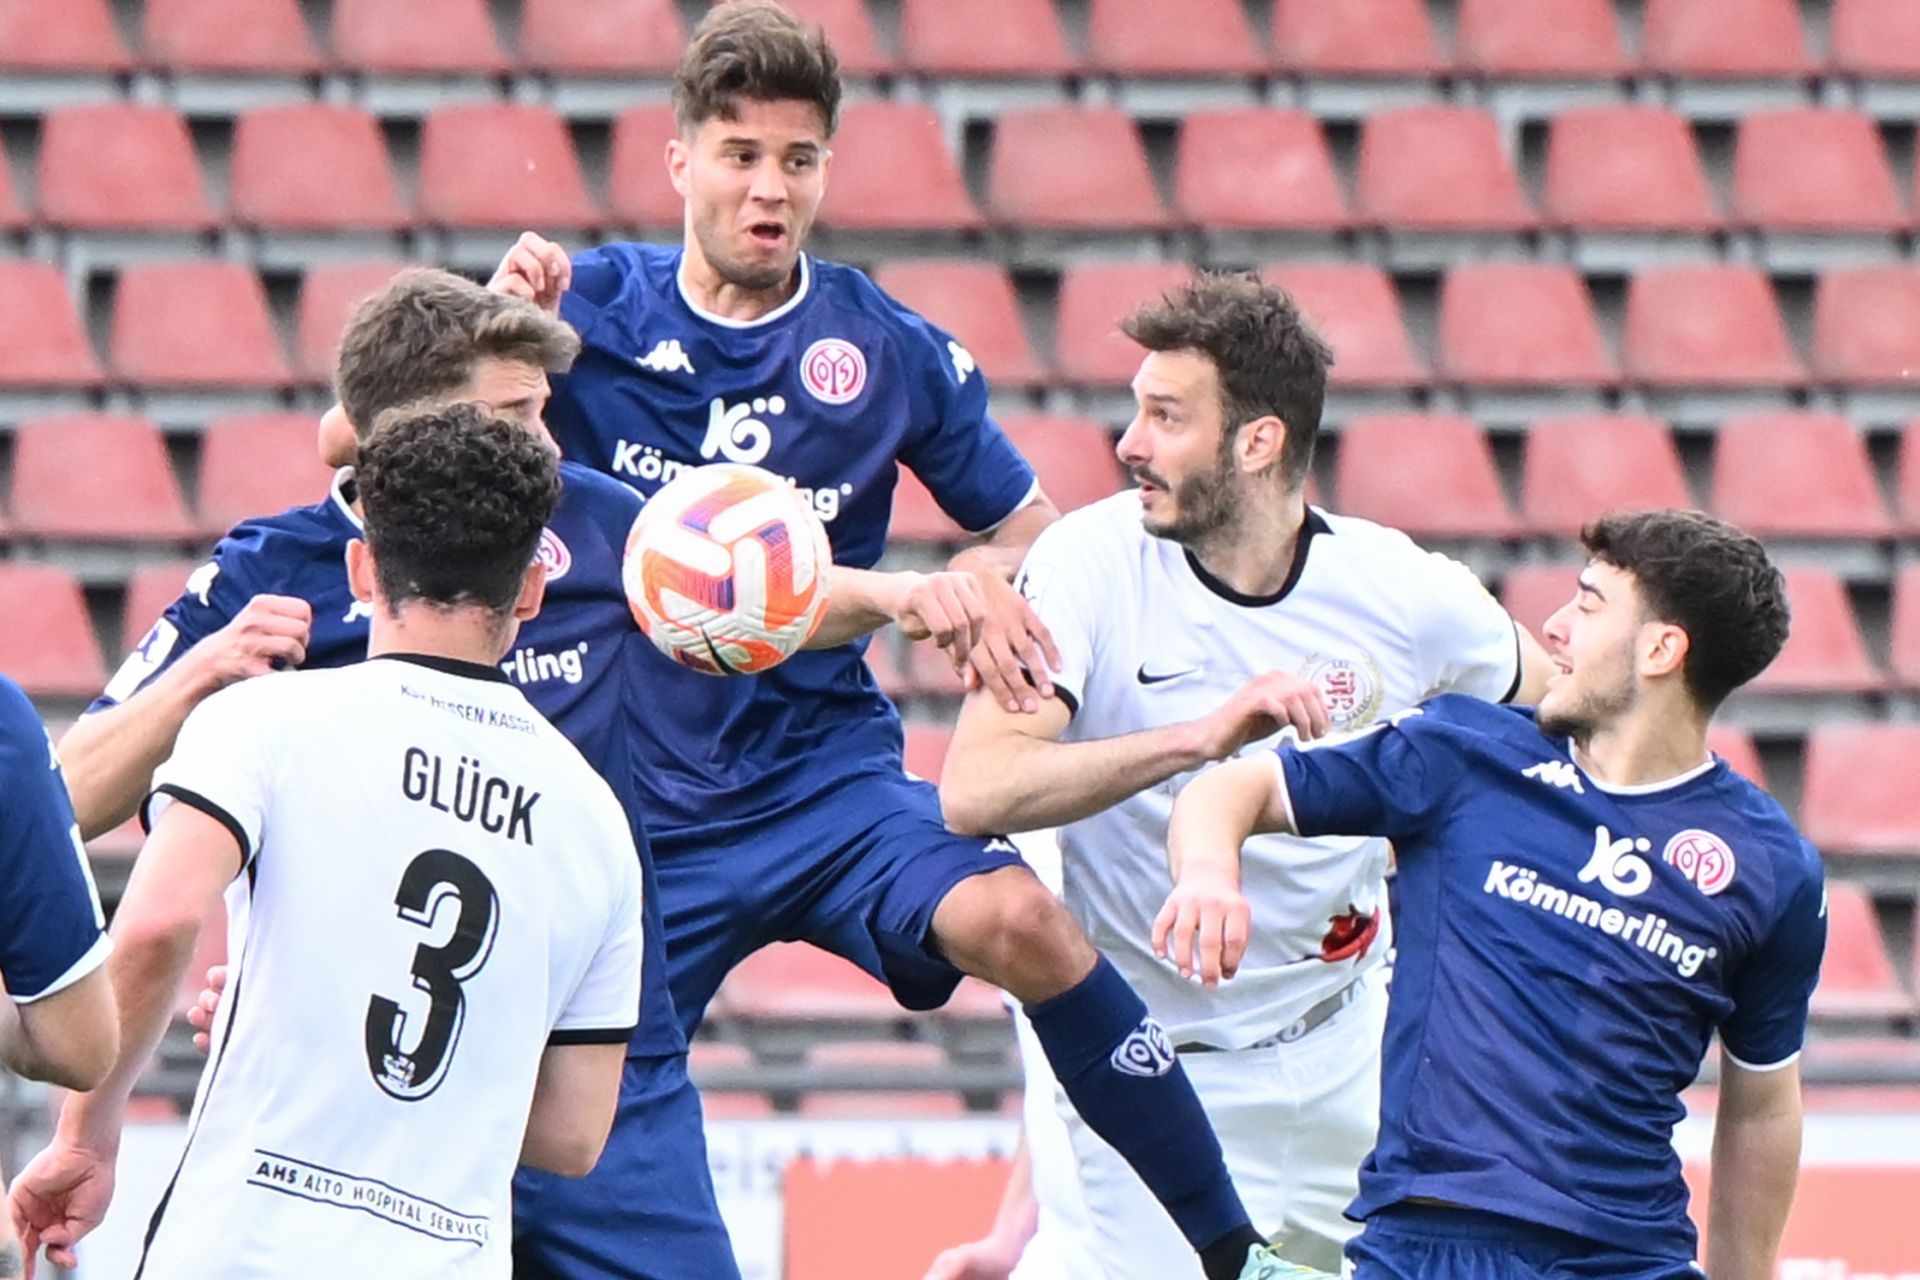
434	917
1196	619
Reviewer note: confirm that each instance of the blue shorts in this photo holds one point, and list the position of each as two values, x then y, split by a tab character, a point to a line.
857	872
647	1211
1421	1242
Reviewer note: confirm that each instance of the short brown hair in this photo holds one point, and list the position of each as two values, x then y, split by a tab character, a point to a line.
1709	579
1269	359
755	49
455	500
419	338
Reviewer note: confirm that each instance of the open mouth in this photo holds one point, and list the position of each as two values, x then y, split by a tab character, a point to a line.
767	234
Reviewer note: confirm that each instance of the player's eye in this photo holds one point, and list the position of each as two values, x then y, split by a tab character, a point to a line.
802	162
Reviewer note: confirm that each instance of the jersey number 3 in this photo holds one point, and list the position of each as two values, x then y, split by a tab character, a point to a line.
438	880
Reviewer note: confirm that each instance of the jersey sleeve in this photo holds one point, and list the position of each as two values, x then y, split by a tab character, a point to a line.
1467	642
1062	585
958	451
214	595
604	1006
222	763
1391	779
1772	988
50	918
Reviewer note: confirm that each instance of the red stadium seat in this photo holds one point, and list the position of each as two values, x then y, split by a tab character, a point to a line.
1706	326
913	1104
1134	38
120	167
1257	170
984	38
926	749
1735	746
48	646
917	517
1904	633
601	37
151	589
1876	38
1520	324
328	296
1438	169
794	980
421	36
976	303
1824	651
1858	796
1856	975
41	334
1632	168
1357	38
1797	474
1578	467
1355	309
194	324
247	36
1078	168
1908	501
1813	170
503	165
73	35
1089	347
1073	457
1432	476
125	492
639	193
1725	39
1508	38
892	172
1866	325
851	31
1532	593
258	465
313	168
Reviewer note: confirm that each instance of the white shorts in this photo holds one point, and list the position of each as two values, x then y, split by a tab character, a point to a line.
1061	1248
1295	1121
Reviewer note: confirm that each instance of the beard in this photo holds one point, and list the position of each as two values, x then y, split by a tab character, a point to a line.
1204	505
1588	711
753	277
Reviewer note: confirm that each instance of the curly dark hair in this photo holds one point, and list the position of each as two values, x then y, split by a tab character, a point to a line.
1269	359
758	50
1710	580
418	339
454	500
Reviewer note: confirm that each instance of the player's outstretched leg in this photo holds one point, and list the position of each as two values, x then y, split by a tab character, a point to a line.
1109	1054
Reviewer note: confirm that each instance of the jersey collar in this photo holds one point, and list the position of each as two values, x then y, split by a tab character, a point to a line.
1314	525
1646	788
785	308
345	493
452	666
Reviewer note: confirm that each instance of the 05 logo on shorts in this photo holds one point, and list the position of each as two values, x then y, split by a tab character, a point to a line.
1146	1052
834	371
1617	864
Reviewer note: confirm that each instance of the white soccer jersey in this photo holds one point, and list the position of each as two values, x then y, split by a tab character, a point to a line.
437	887
1149	639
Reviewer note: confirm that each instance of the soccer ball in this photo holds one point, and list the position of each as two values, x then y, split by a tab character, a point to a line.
726	569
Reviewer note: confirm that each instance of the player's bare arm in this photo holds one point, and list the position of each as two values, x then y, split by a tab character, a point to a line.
109	757
63	1193
1008	771
70	1038
1015	651
1203	926
574	1100
946	608
1756	1159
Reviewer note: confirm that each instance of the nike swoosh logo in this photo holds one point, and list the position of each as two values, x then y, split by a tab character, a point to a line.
1147	677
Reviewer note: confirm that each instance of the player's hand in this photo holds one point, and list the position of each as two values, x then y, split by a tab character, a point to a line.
976	1260
1203	926
270	632
946	608
201	1015
536	269
1015	654
1263	706
60	1196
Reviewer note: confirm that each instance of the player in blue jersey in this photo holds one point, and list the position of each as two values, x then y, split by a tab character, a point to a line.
777	803
1586	897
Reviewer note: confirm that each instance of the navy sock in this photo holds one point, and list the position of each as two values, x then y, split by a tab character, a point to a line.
1120	1072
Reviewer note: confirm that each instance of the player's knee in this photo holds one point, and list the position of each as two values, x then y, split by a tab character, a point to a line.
1016	935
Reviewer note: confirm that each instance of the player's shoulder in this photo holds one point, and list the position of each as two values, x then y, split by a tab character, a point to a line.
620	268
1365	543
852	293
1491	727
23	735
1105	531
583	486
1766	826
296	534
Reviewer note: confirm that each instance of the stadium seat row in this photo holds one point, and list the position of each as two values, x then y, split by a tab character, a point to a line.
1493	38
207	323
315	167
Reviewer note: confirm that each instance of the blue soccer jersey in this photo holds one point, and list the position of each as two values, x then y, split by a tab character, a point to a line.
1566	951
574	658
50	919
831	390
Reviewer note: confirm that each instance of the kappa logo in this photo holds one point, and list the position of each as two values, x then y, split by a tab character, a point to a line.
553	555
1145	1053
200	581
963	361
1000	844
667	356
739	433
1702	857
1617	864
834	371
1556	773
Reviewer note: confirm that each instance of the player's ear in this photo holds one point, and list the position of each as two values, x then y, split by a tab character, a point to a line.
338	444
360	573
1260	443
678	153
1664	650
533	589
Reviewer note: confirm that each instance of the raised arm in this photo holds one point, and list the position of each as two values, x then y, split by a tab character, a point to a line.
1756	1160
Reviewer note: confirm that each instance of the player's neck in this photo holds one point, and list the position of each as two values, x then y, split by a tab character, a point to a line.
1648	745
464	634
1255	554
714	294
